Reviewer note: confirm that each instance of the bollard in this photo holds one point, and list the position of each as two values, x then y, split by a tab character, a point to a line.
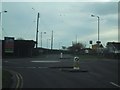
61	55
76	64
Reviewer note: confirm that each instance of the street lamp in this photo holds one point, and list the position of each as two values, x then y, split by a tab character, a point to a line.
52	40
41	37
1	19
38	16
60	45
98	18
2	12
48	42
5	11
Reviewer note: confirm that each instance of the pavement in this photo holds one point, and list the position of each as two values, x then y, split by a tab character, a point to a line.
53	72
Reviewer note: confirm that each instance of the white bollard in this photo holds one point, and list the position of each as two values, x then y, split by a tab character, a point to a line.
61	55
76	64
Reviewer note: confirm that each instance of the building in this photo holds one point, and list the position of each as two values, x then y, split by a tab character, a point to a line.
97	48
112	50
18	48
113	47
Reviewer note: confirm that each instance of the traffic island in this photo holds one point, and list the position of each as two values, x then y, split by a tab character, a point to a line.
69	69
73	70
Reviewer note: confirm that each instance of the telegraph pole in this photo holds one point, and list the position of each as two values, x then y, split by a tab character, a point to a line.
37	30
52	41
76	38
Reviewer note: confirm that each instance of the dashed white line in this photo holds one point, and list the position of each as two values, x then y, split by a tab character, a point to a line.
114	84
5	61
42	67
31	67
46	61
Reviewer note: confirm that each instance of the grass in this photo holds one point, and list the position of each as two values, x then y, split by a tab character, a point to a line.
6	79
90	57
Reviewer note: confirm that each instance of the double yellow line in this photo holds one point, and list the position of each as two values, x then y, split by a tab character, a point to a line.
19	83
19	79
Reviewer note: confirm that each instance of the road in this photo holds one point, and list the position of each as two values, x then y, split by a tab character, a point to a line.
46	72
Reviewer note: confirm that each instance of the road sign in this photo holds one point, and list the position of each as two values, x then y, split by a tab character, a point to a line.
90	42
76	64
9	44
61	55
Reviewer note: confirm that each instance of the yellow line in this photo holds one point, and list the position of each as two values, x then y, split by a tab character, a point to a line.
18	82
21	79
115	84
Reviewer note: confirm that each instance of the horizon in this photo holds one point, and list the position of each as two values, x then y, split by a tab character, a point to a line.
70	22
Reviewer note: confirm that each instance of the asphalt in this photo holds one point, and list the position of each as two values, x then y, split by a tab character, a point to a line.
52	72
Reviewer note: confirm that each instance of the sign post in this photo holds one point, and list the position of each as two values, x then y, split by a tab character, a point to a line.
76	65
9	45
61	55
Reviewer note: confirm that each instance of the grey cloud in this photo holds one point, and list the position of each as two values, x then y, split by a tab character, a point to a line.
65	19
101	8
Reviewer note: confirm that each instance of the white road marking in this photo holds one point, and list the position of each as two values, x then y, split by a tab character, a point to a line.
5	61
114	84
42	67
31	67
46	61
20	67
25	67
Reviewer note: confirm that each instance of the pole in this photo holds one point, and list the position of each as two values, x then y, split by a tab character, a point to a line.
52	40
41	39
0	19
37	30
1	22
76	38
98	33
47	43
98	42
98	28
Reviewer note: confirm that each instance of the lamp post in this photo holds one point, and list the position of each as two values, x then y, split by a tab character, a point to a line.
52	40
2	12
41	37
60	45
98	18
38	16
1	20
48	42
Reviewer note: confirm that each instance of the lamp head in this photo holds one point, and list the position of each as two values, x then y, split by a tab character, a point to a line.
5	11
92	15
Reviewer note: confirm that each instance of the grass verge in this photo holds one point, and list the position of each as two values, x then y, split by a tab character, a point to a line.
6	79
90	57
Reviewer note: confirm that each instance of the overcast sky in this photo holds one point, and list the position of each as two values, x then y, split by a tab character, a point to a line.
68	20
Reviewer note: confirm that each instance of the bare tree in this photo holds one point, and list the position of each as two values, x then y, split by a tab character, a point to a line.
20	38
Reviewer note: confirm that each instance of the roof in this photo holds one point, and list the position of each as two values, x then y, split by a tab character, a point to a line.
115	44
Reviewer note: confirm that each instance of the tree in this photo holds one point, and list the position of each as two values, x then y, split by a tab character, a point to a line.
76	47
63	47
19	38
